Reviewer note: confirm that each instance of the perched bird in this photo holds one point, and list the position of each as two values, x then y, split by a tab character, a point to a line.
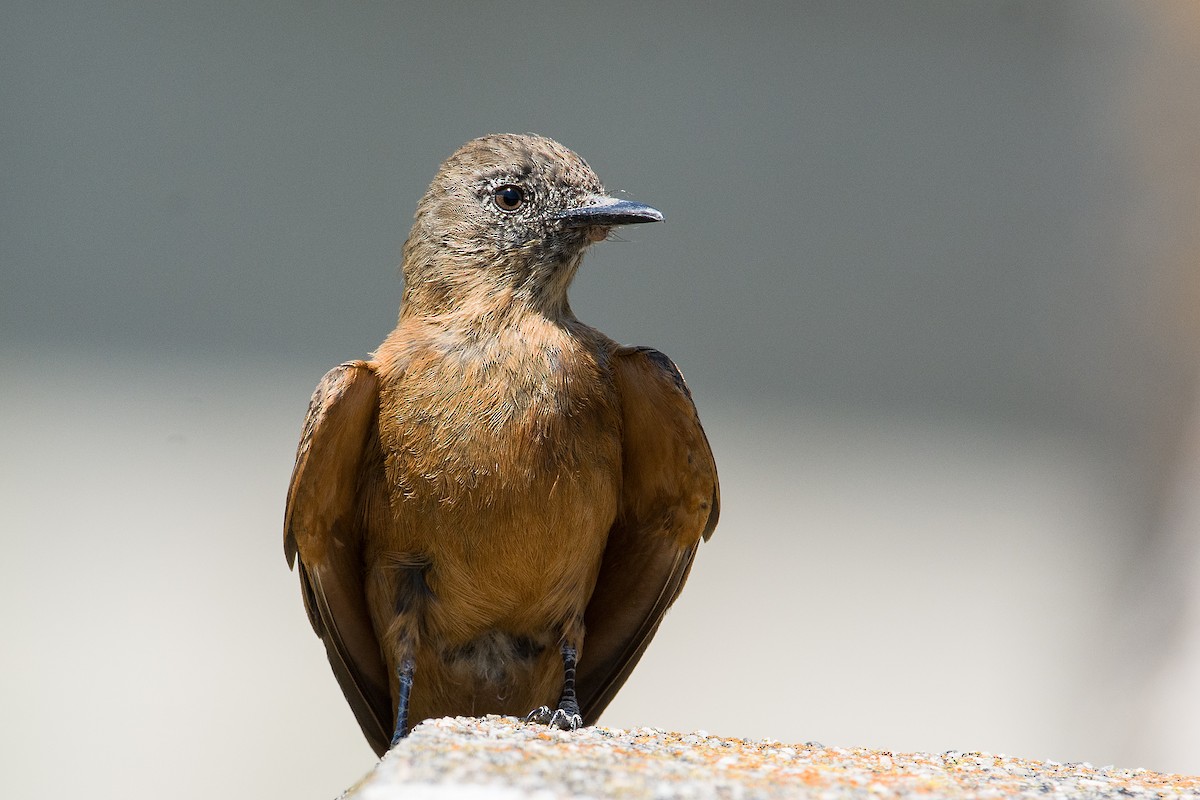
493	513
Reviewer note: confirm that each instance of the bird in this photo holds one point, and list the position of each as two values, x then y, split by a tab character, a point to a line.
492	513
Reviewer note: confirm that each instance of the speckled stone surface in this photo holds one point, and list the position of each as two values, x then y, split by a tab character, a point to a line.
498	757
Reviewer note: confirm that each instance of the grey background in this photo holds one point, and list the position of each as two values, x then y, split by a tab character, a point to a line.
930	269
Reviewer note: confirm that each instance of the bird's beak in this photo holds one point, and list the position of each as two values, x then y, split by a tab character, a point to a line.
608	212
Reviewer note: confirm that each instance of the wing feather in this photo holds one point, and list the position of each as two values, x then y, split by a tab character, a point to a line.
323	526
670	500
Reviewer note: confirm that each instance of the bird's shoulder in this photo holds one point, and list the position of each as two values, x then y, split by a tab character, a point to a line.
667	454
653	364
324	479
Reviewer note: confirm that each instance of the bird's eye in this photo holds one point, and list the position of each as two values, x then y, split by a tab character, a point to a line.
508	197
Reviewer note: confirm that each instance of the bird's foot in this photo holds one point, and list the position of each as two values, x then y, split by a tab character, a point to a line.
565	719
567	716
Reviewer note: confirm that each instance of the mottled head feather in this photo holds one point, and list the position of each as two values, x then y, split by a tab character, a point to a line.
462	243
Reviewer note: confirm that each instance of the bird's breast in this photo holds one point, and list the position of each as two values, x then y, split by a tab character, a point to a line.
464	426
504	472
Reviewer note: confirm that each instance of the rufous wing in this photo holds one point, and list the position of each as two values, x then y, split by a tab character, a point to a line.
670	500
323	525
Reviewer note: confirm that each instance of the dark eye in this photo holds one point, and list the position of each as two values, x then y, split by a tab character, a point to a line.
508	197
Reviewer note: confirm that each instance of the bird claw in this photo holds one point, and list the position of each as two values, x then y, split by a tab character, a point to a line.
541	714
557	718
565	721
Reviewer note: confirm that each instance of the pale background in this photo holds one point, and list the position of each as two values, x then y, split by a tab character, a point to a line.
930	269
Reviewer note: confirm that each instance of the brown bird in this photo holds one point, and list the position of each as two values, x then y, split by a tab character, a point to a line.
502	494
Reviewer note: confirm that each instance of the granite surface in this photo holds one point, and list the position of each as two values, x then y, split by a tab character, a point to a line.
499	757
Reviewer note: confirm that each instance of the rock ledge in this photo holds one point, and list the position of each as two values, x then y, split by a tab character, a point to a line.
500	757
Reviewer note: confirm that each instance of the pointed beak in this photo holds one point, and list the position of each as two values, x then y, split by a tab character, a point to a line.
608	212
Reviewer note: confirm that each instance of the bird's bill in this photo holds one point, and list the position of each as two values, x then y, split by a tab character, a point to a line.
608	212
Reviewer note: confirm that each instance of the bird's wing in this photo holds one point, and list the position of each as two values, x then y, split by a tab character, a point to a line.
669	502
324	524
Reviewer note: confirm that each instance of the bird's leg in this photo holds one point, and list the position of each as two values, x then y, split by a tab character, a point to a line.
406	651
567	716
406	582
404	673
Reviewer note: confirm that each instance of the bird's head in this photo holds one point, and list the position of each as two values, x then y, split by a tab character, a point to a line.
508	216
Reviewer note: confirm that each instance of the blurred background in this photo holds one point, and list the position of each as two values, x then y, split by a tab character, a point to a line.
930	269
